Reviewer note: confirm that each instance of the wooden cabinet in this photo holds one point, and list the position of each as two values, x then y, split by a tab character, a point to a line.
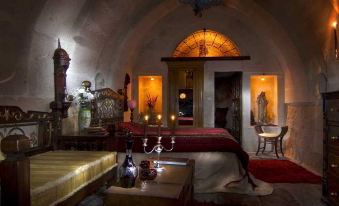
331	149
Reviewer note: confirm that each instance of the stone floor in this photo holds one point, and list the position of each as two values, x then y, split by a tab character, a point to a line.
284	195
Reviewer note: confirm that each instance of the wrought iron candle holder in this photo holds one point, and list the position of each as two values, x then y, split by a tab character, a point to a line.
158	148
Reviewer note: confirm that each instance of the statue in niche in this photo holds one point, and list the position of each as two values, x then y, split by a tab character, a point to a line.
262	108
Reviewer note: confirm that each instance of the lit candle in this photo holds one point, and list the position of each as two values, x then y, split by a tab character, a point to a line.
145	125
146	118
173	123
159	124
172	117
334	24
159	117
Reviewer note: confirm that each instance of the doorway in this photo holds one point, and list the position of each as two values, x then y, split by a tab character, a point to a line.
227	98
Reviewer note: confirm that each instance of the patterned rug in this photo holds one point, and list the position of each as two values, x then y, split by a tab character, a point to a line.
282	171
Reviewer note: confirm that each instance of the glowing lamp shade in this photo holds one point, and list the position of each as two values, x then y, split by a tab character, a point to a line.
131	104
182	96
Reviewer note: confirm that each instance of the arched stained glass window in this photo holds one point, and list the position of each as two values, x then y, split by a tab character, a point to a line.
206	43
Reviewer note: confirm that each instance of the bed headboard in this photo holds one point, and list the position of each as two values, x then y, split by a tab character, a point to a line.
107	107
33	124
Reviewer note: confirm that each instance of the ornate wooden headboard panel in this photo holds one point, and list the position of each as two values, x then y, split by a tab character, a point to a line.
107	107
34	124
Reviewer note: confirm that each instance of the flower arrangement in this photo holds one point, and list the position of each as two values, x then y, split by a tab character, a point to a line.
151	100
83	95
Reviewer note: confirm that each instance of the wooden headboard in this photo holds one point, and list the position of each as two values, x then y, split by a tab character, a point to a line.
107	107
32	124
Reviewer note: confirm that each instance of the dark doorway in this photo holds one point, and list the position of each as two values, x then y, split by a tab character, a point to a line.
227	87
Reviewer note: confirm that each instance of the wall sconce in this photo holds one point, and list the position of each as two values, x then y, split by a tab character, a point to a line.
334	25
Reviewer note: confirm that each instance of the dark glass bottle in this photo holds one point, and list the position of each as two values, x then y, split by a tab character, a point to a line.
128	172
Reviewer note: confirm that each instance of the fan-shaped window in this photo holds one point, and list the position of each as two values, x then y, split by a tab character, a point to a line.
206	43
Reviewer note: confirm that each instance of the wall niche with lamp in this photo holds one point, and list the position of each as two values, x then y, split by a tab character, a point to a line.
264	99
150	96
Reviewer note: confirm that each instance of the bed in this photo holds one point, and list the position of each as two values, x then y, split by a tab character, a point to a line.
34	173
221	163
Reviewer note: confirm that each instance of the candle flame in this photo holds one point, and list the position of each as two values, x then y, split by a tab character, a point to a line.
334	24
172	117
159	116
146	117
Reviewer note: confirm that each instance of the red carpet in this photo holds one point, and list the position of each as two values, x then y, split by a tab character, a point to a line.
281	171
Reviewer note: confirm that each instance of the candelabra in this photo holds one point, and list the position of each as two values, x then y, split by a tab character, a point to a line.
158	148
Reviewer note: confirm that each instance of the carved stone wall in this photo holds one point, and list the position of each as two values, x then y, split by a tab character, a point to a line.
304	138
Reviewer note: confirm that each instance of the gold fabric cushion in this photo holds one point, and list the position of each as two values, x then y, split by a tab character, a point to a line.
56	175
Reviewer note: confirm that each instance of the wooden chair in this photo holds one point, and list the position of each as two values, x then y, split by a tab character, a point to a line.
270	138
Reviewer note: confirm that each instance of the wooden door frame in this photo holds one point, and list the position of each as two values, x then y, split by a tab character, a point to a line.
198	85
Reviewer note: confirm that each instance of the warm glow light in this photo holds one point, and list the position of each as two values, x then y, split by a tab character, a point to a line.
172	117
334	24
153	88
152	78
211	42
182	96
146	117
159	116
270	87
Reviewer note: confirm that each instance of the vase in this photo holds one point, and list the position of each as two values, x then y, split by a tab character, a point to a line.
128	172
84	118
152	115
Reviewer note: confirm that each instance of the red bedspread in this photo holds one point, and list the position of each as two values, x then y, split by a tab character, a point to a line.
186	140
138	130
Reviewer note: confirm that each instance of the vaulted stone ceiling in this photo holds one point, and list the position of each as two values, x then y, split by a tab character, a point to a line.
115	36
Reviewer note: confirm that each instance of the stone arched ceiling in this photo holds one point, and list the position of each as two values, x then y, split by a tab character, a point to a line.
108	36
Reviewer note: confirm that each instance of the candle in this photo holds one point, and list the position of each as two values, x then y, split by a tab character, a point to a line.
146	118
159	140
173	123
145	125
159	117
172	117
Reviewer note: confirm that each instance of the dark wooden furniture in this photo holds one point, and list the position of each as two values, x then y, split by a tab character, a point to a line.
15	168
168	189
331	149
85	142
107	110
270	138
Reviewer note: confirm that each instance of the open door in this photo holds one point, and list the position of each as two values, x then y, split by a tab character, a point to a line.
228	86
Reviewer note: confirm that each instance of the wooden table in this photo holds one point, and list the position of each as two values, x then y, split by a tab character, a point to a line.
172	186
